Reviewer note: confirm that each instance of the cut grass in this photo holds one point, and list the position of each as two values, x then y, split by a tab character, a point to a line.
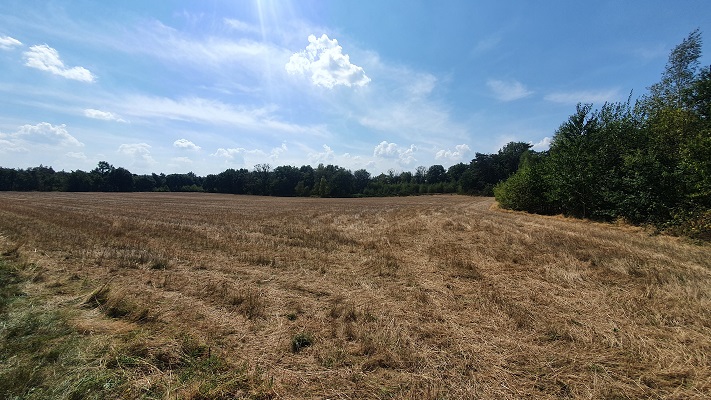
44	355
428	297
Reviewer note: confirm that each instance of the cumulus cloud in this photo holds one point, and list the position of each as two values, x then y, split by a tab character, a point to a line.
141	151
327	155
405	156
543	145
584	96
228	153
277	151
457	154
324	61
47	133
185	144
45	58
7	42
103	115
237	155
508	90
385	149
42	134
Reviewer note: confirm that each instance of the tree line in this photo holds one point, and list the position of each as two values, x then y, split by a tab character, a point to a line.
476	178
646	163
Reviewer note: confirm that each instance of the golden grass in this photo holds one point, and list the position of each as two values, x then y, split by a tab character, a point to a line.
421	297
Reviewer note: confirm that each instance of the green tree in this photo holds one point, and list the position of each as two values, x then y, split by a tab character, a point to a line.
361	178
527	189
80	181
674	89
119	180
436	174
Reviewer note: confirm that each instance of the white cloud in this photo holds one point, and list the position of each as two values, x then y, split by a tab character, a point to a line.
240	26
137	150
182	160
103	115
277	151
233	57
585	96
405	156
228	153
42	134
77	155
324	60
326	156
7	42
214	112
11	146
237	155
385	149
186	144
402	106
46	133
457	154
486	44
46	58
543	145
508	90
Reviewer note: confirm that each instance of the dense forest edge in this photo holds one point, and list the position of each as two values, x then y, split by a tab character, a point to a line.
647	163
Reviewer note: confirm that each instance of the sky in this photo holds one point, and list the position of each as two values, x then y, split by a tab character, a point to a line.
203	86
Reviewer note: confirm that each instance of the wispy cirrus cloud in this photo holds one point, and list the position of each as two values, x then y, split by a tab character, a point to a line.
324	61
585	96
8	43
45	58
508	90
216	52
214	112
240	26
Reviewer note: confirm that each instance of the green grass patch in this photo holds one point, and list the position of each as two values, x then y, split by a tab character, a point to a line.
42	356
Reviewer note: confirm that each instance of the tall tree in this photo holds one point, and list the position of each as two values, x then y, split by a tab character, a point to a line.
679	75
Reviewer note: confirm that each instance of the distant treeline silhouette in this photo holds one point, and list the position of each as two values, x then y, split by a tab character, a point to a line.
478	178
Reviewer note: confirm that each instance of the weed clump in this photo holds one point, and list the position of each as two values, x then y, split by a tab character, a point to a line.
300	341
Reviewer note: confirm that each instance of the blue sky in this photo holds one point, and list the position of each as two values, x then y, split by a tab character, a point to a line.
202	86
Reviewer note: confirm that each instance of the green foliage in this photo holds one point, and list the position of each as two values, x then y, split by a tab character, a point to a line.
300	341
528	188
647	164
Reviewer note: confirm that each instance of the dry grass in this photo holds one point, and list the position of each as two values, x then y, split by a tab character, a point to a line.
423	297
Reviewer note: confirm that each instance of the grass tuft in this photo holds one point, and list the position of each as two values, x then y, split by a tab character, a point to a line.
301	341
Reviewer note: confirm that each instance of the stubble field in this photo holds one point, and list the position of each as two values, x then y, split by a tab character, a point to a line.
433	297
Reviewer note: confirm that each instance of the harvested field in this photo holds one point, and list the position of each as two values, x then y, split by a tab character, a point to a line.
432	297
